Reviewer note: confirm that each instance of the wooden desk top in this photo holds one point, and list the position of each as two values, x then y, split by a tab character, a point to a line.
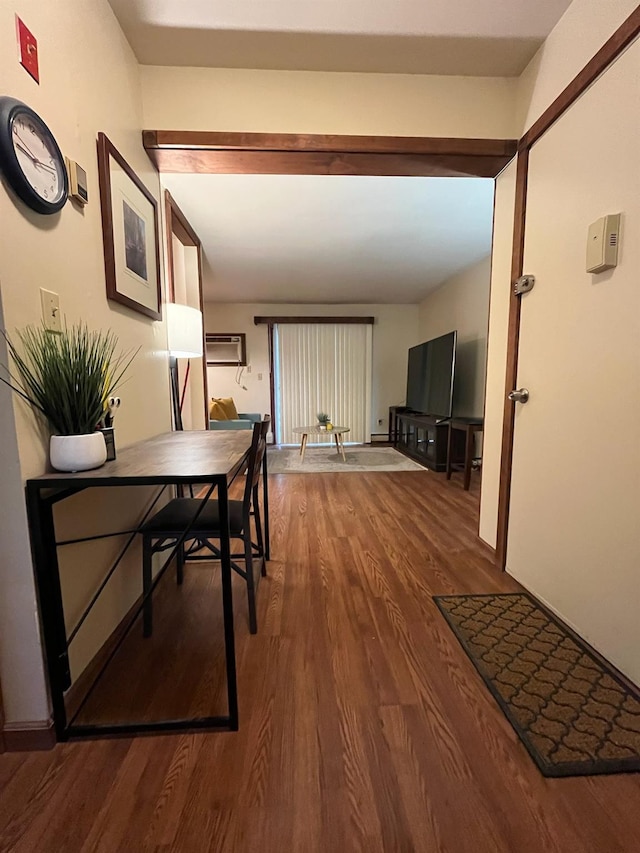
192	456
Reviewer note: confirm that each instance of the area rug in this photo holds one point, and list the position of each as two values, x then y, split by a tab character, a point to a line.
574	714
322	460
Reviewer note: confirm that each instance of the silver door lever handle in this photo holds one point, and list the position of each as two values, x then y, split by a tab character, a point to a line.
521	395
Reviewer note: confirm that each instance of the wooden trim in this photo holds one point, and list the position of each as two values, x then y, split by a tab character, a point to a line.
168	224
368	321
207	152
487	549
178	224
609	51
29	737
327	143
513	333
236	162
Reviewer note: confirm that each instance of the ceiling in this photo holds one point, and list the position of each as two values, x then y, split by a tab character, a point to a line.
333	238
467	37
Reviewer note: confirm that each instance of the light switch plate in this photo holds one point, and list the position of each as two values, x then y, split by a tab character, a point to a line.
50	310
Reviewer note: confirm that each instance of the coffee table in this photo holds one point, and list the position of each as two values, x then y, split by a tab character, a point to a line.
337	432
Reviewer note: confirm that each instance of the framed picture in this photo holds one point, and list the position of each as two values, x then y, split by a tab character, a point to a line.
130	234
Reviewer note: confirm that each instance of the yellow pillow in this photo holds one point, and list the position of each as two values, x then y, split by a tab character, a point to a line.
223	409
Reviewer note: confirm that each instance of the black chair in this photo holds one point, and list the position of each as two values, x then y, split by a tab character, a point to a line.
164	530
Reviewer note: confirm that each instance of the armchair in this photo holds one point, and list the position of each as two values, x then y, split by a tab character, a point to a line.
244	421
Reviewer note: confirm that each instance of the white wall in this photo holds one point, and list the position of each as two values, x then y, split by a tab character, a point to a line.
497	351
89	83
462	303
578	35
21	662
395	330
315	102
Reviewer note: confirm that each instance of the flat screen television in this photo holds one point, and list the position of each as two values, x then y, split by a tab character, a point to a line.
430	376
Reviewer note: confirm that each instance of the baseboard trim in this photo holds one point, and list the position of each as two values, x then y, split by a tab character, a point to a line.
380	438
29	736
488	550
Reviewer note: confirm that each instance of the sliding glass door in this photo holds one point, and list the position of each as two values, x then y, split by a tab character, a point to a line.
322	367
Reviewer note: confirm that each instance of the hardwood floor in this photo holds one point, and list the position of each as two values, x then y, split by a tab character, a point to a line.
363	725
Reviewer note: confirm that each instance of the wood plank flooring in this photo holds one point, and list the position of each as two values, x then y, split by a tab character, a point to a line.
363	725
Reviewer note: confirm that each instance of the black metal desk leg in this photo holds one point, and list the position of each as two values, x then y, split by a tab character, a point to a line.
265	504
227	605
45	561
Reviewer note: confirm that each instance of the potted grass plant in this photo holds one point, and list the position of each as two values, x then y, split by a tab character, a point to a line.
67	378
324	421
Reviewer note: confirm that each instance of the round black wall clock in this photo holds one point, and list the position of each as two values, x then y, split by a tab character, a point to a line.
30	158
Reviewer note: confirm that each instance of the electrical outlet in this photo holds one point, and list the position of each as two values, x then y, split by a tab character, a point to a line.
248	368
50	310
259	377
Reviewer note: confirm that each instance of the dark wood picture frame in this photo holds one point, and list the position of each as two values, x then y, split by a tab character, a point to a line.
108	153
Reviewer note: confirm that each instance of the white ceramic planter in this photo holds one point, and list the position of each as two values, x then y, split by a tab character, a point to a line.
77	452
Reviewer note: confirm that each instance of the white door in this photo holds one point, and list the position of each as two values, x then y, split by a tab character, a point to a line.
574	529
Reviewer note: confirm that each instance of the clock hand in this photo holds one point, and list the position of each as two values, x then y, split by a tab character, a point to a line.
25	151
48	168
23	147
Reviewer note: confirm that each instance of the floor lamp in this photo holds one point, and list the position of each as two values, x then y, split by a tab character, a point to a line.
184	340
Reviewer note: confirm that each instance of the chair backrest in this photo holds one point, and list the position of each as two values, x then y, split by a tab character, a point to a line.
256	455
266	423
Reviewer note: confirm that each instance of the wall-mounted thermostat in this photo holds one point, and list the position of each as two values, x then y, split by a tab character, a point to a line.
78	189
602	243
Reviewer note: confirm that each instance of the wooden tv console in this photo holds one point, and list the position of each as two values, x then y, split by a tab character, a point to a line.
422	437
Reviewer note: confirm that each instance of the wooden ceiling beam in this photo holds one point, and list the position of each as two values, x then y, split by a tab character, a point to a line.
203	152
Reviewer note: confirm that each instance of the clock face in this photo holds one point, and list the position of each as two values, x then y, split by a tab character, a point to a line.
37	157
30	158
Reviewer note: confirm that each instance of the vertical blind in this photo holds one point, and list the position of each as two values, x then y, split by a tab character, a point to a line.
323	367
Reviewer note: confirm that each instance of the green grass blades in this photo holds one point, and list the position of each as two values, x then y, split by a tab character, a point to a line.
67	377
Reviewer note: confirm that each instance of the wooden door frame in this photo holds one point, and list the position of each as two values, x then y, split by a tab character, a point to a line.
306	154
177	224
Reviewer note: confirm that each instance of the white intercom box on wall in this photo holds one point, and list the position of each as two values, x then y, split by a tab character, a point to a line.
602	243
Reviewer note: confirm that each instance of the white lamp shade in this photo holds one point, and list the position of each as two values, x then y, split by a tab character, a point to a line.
184	331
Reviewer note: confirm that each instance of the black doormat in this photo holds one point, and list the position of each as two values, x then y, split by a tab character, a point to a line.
573	713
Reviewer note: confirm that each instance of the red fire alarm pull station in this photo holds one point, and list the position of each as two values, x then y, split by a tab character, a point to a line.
28	50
